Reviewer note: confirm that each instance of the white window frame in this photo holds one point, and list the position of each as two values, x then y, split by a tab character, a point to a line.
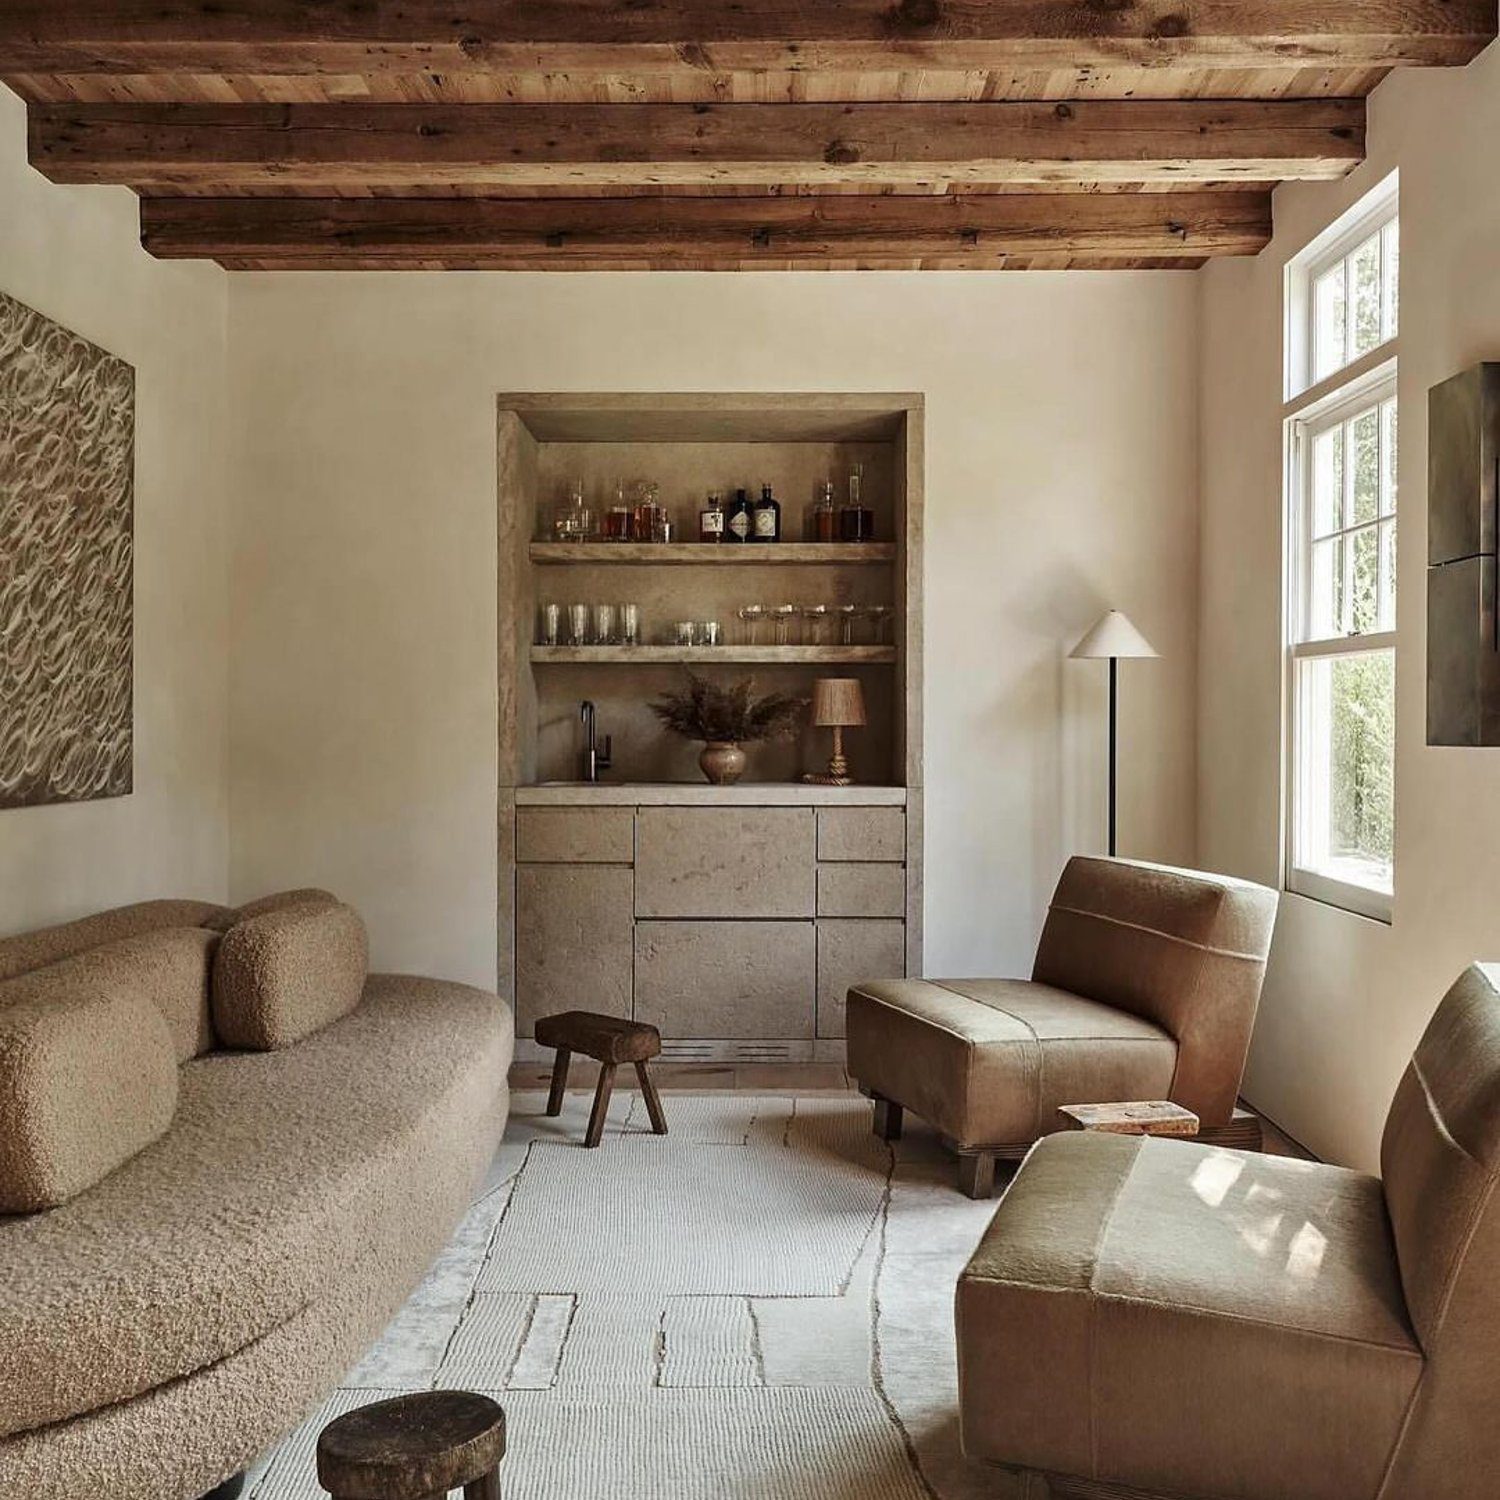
1311	408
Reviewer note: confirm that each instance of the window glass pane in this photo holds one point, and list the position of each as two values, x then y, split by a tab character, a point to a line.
1387	576
1364	433
1328	322
1328	613
1365	268
1364	601
1345	816
1391	312
1388	432
1328	481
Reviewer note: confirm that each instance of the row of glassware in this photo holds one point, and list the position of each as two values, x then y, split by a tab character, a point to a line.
759	625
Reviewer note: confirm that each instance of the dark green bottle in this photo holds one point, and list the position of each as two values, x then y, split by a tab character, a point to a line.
767	517
739	523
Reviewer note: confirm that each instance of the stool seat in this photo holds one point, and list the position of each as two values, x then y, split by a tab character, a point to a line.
610	1041
414	1447
607	1039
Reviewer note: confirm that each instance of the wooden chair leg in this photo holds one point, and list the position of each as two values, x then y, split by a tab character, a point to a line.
887	1119
601	1104
652	1098
487	1488
559	1081
976	1174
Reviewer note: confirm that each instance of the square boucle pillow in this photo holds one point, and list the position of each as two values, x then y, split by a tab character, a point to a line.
288	972
88	1078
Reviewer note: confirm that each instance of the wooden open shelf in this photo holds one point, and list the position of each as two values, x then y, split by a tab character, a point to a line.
728	655
679	554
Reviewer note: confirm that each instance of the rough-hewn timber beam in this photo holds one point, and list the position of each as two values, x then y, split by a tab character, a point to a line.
673	36
558	232
416	145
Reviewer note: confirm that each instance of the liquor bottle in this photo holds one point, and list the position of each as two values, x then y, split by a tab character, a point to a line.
856	519
711	518
739	521
825	517
767	516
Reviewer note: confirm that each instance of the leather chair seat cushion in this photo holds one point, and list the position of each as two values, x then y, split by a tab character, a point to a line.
88	1077
989	1061
287	972
1187	1320
279	1174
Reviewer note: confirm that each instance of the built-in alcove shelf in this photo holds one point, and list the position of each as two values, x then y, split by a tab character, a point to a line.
693	554
831	656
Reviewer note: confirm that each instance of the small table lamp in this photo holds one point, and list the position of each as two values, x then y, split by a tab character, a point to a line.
1113	637
838	703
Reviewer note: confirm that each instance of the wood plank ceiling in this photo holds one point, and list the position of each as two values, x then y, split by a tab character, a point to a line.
707	135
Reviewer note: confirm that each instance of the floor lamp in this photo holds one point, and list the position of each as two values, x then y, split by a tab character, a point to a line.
1112	638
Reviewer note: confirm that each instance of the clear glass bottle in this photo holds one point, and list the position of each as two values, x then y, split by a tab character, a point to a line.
825	517
573	521
856	519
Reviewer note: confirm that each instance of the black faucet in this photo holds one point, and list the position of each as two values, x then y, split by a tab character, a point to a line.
593	761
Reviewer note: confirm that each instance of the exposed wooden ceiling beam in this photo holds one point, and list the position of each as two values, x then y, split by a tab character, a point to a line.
675	36
416	145
559	233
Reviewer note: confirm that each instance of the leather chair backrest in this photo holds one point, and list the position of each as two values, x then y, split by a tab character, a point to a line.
1440	1160
1183	949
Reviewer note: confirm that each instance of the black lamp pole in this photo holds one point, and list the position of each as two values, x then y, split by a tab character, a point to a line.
1114	688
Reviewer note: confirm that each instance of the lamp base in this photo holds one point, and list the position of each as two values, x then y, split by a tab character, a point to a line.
812	778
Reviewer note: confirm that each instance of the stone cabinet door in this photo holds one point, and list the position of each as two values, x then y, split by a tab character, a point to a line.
850	951
726	980
574	940
734	862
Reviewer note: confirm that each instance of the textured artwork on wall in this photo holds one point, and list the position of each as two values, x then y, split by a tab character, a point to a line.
67	492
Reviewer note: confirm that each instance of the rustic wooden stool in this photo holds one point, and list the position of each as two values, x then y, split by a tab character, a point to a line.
610	1041
415	1448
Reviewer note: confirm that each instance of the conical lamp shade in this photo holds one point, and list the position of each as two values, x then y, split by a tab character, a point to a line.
1113	635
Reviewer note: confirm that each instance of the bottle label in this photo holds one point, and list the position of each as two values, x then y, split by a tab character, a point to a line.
711	523
739	524
765	524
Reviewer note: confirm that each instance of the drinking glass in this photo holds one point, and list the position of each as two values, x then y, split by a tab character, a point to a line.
880	623
630	624
785	616
817	629
710	633
604	625
751	615
578	624
687	633
550	631
848	615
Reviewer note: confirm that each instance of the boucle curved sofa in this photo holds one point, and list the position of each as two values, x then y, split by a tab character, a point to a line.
169	1323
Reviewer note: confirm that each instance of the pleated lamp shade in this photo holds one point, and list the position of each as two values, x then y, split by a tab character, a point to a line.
838	703
1113	635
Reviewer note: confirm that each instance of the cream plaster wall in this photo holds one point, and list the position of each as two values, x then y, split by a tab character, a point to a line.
1062	449
1347	998
73	254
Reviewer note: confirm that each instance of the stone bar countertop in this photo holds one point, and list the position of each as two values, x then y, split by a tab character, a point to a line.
701	794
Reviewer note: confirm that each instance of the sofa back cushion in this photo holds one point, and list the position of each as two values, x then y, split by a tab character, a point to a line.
305	896
1185	950
88	1078
29	951
282	975
170	968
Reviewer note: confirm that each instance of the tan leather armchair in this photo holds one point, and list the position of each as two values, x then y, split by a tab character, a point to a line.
1145	986
1152	1318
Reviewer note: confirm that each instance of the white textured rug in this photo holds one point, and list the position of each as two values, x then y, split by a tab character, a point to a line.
758	1305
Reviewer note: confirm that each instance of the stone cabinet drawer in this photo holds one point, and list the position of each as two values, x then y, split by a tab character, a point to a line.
849	952
861	890
575	835
575	932
755	862
862	833
726	980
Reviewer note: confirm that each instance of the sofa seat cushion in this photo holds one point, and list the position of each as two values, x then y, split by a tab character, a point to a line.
279	1173
1182	1319
989	1061
287	972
